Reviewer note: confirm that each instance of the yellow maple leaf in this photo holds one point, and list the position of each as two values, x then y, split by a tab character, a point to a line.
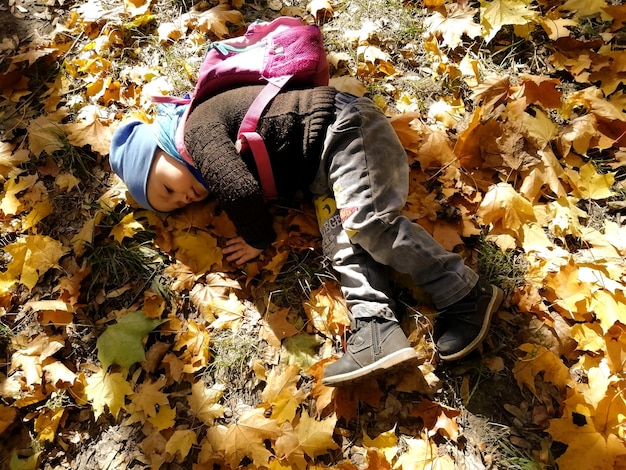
539	359
39	211
565	290
609	309
587	447
326	309
582	8
506	208
555	25
30	355
149	398
44	135
309	437
195	342
106	390
203	401
153	304
276	326
47	423
497	13
179	444
33	256
422	454
457	21
282	393
547	172
66	182
198	250
10	160
321	9
10	204
386	442
244	438
127	227
435	149
589	184
164	418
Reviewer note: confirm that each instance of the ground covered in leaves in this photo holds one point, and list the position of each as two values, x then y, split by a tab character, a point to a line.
129	342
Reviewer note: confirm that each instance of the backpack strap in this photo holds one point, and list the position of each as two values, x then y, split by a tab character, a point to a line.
262	159
249	139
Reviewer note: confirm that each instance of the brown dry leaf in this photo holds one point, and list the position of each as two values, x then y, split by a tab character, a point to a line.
494	91
214	20
321	9
438	418
93	133
542	89
7	416
276	326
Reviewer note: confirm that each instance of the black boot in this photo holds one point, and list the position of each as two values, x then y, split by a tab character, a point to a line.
464	324
376	345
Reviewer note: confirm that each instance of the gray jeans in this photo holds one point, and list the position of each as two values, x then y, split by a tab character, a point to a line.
361	188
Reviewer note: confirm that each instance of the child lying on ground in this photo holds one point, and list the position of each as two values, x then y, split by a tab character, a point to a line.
335	146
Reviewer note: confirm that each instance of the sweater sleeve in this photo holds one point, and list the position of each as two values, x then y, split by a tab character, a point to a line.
209	142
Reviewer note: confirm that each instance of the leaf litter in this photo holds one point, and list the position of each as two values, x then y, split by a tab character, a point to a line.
512	115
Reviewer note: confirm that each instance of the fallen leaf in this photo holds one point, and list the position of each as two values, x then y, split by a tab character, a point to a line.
122	343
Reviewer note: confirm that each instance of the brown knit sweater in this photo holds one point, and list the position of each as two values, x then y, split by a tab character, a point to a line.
293	129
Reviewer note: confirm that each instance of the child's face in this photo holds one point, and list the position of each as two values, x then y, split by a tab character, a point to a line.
171	185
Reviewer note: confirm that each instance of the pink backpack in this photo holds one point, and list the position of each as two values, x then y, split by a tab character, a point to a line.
275	53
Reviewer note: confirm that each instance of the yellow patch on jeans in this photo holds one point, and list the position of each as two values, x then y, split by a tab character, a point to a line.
325	208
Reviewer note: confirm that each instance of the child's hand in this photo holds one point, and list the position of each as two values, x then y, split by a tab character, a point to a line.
239	252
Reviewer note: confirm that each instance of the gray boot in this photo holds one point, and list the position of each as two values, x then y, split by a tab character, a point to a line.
376	345
464	325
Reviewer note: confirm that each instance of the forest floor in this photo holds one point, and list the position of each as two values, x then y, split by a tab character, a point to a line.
215	326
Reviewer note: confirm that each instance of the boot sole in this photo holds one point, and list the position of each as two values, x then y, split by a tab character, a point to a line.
374	369
496	300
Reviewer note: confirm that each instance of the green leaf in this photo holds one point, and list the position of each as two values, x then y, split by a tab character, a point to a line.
122	343
301	350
